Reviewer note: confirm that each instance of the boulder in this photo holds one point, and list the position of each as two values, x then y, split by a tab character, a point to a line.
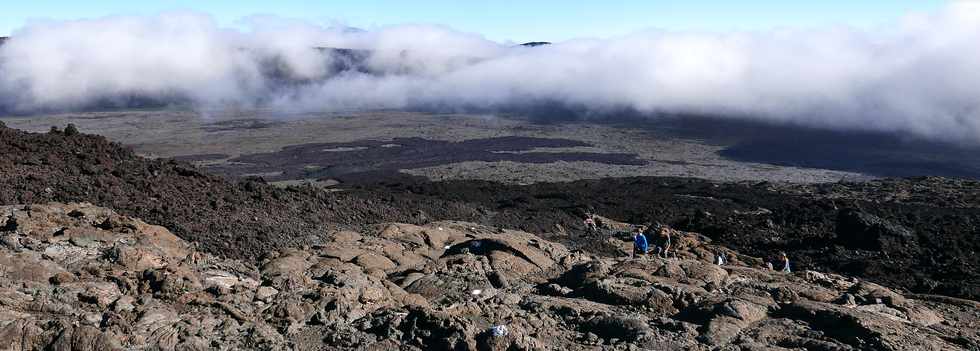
622	328
370	260
867	329
266	293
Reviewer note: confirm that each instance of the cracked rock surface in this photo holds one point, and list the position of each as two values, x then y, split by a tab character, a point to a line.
81	277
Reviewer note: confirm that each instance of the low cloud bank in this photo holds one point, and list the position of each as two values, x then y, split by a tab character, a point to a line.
919	76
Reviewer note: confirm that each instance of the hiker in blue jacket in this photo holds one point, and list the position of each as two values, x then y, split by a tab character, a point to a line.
640	245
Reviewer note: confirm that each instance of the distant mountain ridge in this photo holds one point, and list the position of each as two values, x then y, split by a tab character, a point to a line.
536	43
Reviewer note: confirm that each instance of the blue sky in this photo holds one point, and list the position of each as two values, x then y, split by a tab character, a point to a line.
504	20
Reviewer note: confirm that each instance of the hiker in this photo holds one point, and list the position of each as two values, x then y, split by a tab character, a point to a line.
590	223
639	242
785	260
663	242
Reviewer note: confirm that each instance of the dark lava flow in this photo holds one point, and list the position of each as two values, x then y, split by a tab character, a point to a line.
372	157
873	153
239	124
878	154
919	234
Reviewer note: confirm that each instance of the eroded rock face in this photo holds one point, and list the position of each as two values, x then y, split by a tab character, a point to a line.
79	277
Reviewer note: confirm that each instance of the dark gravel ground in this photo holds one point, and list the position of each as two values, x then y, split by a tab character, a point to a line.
919	234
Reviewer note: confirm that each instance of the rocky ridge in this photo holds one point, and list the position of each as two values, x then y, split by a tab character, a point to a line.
81	277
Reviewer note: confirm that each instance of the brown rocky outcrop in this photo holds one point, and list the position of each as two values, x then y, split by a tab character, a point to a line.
80	277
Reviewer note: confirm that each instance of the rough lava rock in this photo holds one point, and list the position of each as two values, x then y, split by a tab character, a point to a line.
81	277
861	230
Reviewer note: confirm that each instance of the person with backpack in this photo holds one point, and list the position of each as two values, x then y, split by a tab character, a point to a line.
720	259
663	242
785	260
590	224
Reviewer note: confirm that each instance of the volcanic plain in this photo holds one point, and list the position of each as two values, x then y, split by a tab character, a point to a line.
244	185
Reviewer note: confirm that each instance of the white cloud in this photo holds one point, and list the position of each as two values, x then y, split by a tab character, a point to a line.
920	76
